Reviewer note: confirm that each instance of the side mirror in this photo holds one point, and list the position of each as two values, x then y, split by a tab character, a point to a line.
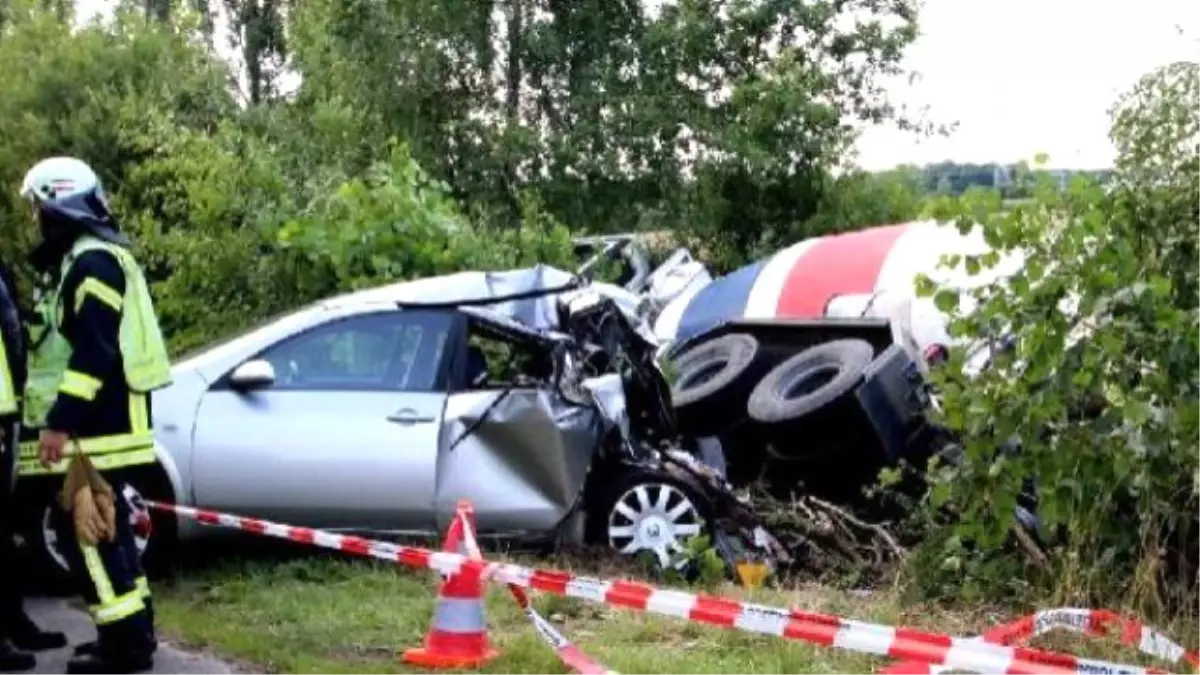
256	374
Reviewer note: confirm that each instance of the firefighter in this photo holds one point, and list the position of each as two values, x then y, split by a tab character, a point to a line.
96	352
17	631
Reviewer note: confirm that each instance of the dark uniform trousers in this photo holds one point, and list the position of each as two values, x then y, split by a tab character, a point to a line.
10	592
111	580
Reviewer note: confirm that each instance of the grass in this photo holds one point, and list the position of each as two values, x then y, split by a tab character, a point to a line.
329	615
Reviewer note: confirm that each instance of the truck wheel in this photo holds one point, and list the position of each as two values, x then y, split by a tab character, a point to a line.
647	511
809	381
714	379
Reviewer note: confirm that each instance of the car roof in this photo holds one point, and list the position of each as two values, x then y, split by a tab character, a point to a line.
457	287
416	292
399	292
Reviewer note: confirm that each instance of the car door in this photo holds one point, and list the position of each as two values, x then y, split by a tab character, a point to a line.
346	436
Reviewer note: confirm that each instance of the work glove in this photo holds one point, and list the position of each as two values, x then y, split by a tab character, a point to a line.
89	500
105	498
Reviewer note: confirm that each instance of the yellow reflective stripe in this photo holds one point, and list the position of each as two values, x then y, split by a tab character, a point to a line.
99	445
95	570
80	385
31	466
143	586
112	607
99	290
139	414
119	608
8	394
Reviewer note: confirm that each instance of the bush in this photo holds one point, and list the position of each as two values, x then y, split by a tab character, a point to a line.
236	214
1101	386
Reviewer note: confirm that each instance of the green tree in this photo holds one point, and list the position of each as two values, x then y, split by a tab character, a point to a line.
722	119
1101	387
91	93
858	199
257	33
237	213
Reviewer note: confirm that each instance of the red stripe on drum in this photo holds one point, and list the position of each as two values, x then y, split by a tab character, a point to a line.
846	263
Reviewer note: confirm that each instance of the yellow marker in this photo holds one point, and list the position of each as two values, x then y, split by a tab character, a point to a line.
752	573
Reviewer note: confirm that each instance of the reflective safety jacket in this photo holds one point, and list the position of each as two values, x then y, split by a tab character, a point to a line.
96	353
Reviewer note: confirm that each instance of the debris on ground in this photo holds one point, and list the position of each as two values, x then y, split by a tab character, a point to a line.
825	539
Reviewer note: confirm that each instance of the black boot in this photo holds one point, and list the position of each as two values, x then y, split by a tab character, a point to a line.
13	660
134	634
99	662
90	647
25	634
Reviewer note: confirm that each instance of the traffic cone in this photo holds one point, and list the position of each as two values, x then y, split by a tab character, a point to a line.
458	637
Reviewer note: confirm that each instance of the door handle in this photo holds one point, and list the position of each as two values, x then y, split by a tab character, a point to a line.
408	416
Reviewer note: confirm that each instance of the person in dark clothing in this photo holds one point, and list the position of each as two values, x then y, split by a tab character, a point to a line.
17	631
96	354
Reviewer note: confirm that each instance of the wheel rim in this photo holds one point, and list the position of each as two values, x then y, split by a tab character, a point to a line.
139	521
655	517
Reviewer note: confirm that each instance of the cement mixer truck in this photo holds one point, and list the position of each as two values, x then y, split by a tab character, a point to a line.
808	364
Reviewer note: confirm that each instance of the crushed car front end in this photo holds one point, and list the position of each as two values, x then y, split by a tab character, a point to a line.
567	434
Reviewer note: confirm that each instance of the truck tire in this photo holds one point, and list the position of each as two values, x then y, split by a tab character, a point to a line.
809	381
714	380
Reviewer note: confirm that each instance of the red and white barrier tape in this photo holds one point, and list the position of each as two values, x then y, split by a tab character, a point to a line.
1095	622
570	655
906	644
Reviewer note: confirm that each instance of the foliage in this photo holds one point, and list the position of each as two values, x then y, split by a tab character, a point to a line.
92	93
355	144
400	154
1100	388
1012	180
397	222
723	121
857	197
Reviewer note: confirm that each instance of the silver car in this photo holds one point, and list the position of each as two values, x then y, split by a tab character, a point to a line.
377	411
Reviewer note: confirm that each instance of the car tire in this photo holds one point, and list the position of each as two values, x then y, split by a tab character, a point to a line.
46	573
627	515
714	379
809	382
156	535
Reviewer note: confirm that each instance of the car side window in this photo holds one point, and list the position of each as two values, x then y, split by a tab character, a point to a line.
497	361
386	351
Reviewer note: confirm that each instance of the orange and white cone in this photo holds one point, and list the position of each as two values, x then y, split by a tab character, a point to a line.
458	637
570	655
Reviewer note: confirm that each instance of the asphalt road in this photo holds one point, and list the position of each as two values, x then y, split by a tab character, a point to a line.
59	614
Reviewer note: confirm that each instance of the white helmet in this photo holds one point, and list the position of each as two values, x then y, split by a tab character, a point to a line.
57	178
66	190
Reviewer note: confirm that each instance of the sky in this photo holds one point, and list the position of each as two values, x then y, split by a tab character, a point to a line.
1020	77
1023	77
